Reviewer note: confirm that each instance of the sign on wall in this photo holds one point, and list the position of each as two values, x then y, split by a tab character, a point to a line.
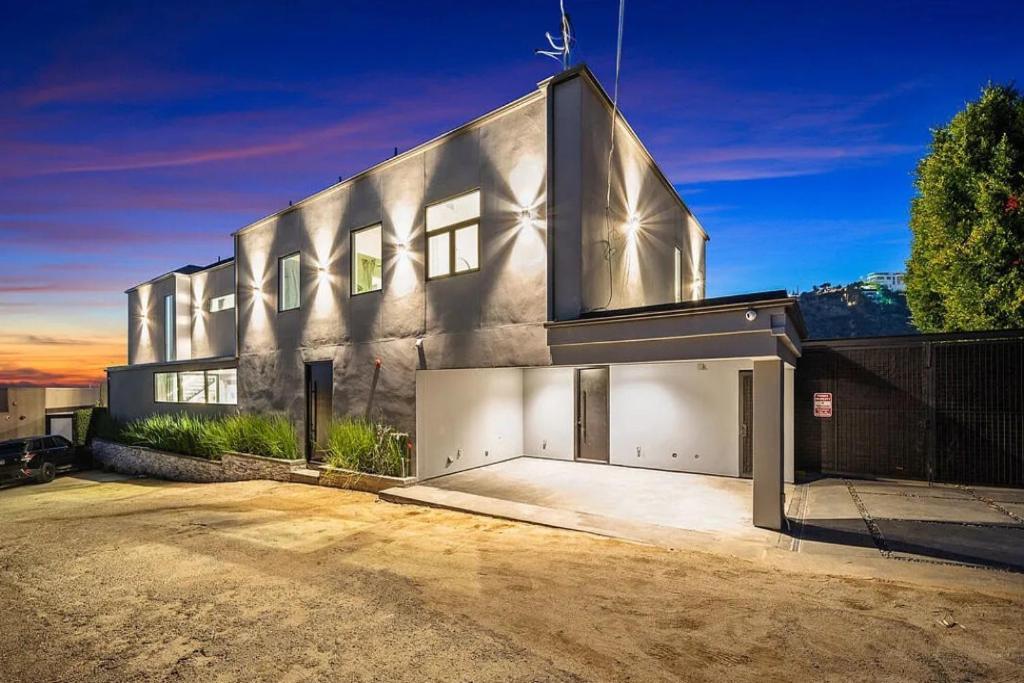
823	405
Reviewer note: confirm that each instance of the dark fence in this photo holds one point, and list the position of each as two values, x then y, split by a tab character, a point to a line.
944	407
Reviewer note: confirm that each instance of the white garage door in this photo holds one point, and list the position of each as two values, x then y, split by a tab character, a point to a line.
61	426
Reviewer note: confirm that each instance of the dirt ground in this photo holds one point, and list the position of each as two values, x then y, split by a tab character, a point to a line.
111	579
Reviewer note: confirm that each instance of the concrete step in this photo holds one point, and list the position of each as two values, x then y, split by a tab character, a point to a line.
305	476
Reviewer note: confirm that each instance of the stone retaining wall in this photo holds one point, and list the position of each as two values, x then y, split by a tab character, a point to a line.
176	467
360	481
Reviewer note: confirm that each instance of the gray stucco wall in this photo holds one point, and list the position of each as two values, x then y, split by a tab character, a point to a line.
488	318
132	390
213	333
642	265
146	320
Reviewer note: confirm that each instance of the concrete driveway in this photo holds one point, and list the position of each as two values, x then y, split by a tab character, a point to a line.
911	521
844	519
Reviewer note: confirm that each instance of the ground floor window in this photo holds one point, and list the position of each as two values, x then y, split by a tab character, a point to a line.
217	387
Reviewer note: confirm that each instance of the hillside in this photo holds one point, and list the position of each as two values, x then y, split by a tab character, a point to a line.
855	310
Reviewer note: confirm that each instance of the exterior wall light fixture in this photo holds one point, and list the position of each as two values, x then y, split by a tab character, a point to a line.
525	216
633	225
750	315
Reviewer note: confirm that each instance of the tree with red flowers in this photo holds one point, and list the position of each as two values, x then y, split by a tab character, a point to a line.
966	267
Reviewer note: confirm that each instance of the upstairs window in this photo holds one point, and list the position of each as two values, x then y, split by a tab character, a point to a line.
170	350
453	236
222	303
288	282
367	261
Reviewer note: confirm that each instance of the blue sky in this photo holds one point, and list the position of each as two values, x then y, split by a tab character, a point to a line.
134	139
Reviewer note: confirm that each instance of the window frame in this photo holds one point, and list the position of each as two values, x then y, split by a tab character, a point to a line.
230	295
280	281
352	259
170	328
207	376
451	229
677	271
156	385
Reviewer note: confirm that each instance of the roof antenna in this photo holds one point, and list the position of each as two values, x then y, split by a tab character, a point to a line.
560	53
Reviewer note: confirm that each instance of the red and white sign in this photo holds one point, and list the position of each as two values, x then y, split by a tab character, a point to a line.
823	405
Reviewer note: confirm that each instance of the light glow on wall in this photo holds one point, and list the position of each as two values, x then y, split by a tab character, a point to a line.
403	266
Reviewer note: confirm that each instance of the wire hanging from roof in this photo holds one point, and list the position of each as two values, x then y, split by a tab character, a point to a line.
609	248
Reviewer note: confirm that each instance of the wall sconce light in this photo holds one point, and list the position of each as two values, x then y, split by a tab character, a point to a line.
403	248
525	216
633	225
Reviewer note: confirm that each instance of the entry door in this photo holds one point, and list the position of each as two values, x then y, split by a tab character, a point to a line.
746	423
592	414
319	392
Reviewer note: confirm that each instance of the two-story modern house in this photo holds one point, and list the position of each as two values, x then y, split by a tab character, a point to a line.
527	284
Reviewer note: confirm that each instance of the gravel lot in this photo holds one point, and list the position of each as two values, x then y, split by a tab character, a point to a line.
110	579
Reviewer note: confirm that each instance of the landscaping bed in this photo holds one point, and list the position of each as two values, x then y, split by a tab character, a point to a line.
232	466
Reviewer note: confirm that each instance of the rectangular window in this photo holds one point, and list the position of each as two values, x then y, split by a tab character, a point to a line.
218	387
4	407
222	303
367	260
288	282
678	270
222	386
170	350
453	236
166	387
192	387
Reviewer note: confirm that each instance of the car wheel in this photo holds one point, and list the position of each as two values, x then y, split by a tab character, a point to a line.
46	473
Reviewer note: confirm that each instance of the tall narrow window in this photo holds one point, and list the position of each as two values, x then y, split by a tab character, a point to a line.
367	262
453	236
170	350
288	282
678	270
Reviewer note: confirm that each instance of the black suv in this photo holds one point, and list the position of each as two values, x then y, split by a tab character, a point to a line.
35	458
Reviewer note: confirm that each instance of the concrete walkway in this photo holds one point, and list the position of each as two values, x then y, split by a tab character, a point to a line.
845	519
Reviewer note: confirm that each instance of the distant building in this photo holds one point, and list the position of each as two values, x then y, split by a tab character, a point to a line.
38	411
893	281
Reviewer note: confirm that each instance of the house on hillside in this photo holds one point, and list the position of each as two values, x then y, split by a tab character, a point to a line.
477	292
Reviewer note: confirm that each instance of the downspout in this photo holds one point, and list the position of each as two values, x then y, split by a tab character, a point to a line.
549	202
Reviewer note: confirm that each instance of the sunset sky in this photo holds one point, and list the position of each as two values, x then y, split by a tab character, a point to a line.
133	141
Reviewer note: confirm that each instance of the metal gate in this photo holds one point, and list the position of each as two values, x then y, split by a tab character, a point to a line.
944	407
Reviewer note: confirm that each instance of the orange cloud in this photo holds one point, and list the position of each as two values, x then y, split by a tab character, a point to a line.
54	361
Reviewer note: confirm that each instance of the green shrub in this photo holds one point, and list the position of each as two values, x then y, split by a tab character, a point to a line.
81	423
104	426
178	433
272	436
366	447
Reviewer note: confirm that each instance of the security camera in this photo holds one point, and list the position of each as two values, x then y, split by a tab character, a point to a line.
750	315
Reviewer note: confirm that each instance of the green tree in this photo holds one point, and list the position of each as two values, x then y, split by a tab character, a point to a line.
966	267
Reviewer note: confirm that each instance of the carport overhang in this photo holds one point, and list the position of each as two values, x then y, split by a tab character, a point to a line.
765	327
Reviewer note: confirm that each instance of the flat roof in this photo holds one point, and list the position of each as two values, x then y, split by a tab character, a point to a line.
766	298
190	269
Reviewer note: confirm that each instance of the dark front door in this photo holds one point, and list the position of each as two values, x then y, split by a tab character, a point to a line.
746	423
319	390
592	414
